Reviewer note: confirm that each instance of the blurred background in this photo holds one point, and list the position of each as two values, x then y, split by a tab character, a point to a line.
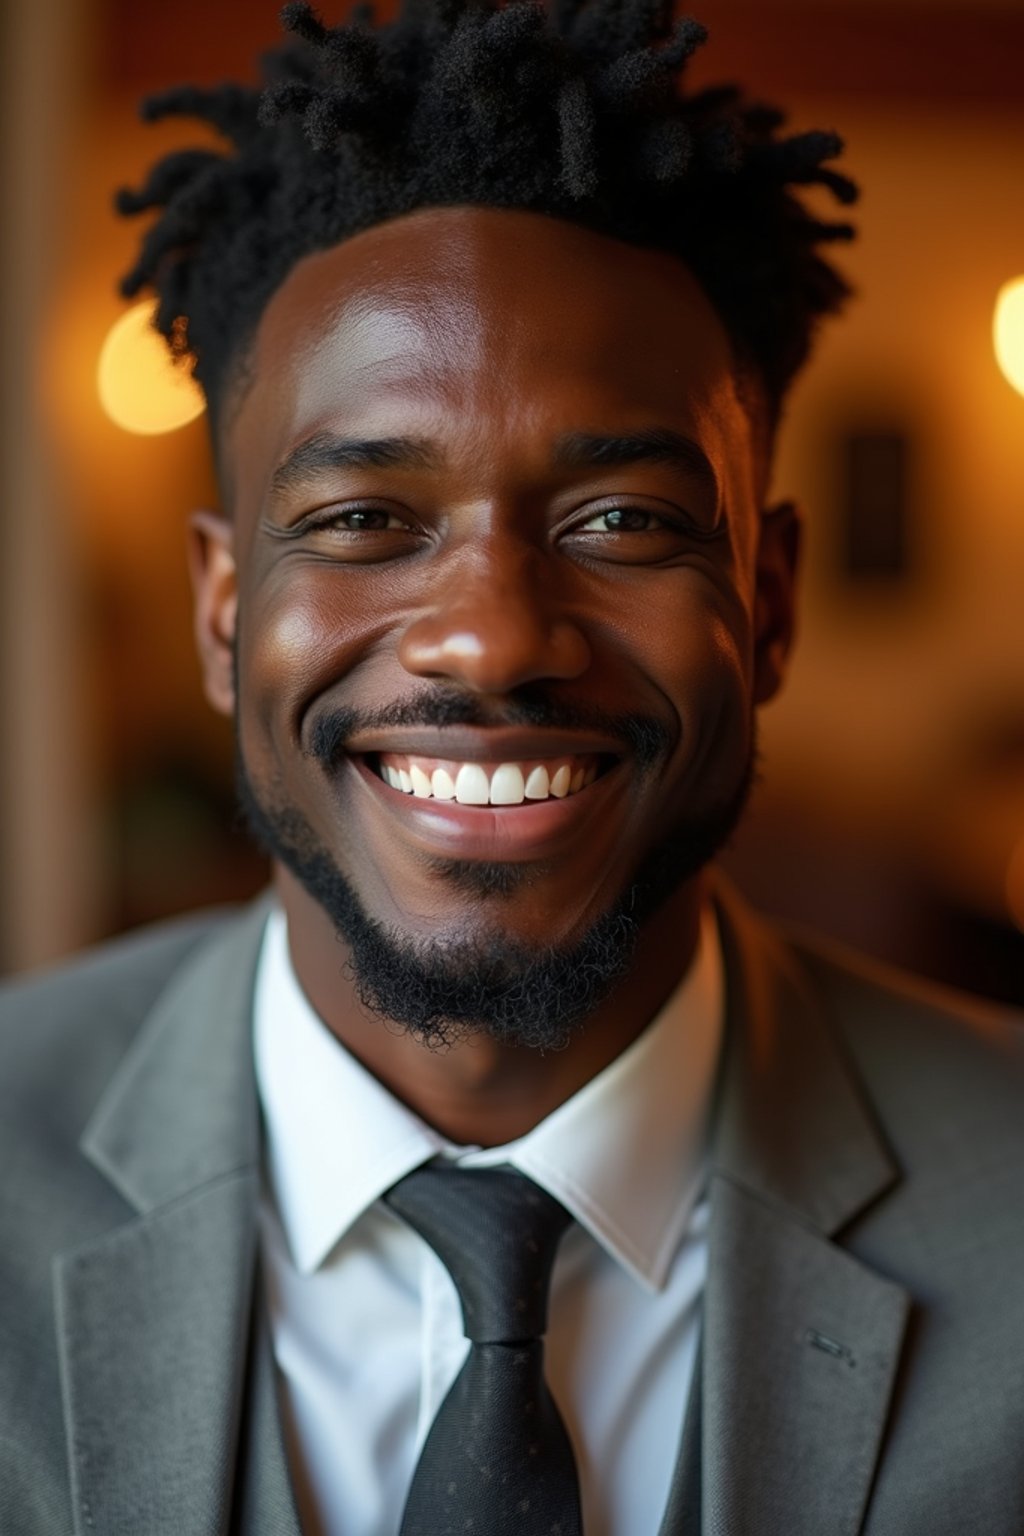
891	813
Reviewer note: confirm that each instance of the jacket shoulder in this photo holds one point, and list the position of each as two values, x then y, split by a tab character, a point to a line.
66	1027
868	992
942	1065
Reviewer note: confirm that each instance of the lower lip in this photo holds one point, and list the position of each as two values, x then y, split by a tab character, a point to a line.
513	834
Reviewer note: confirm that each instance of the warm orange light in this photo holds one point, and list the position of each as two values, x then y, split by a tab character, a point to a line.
140	386
1008	331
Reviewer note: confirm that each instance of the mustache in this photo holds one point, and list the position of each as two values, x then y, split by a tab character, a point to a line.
643	736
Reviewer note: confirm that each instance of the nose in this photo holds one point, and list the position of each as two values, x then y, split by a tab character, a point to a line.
496	625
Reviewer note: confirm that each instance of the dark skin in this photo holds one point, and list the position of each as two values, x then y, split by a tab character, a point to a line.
497	548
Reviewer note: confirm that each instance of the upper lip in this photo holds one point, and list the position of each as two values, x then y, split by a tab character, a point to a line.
475	744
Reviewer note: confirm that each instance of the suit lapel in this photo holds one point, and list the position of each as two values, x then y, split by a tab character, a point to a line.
264	1503
801	1345
153	1323
800	1340
154	1317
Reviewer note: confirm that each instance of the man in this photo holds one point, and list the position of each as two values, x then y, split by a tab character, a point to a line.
495	327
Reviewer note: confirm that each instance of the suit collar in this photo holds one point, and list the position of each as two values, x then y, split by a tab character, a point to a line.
181	1111
793	1126
154	1318
800	1341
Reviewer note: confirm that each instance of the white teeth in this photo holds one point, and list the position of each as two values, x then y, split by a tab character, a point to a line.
442	784
560	782
538	785
508	784
507	787
420	782
471	786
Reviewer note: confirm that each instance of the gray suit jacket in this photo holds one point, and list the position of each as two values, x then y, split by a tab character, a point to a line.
863	1335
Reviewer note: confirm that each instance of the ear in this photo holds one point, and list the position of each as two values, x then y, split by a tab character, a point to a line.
778	559
211	562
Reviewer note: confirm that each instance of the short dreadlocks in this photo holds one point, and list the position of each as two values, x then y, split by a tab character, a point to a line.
575	110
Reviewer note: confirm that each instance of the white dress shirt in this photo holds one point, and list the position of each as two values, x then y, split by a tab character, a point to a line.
365	1319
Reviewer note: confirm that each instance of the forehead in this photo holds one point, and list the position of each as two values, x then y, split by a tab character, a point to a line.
489	329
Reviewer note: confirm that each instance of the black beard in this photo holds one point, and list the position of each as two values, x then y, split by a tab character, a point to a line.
444	990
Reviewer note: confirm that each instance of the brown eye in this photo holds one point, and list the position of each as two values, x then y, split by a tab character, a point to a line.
367	520
622	520
623	533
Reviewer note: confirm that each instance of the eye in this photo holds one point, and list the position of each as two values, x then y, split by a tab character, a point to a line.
365	520
625	533
621	520
356	533
353	524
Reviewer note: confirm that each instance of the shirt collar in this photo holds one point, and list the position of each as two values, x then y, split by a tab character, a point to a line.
626	1153
336	1138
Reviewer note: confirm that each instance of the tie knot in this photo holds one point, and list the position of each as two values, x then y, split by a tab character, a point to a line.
497	1233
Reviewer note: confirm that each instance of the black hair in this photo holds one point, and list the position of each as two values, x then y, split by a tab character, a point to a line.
576	110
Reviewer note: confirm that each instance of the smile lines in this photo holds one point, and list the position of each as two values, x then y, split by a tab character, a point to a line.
487	783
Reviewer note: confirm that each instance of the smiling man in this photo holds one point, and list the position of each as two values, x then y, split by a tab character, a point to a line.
499	600
499	1173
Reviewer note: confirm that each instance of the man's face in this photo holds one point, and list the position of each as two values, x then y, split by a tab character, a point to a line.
495	525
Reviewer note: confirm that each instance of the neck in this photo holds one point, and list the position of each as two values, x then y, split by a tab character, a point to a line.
480	1092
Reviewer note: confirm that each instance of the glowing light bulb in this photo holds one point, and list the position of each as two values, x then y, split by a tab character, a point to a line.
140	386
1008	331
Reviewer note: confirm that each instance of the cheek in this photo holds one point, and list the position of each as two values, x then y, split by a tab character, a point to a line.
300	629
718	690
728	647
701	664
696	637
721	752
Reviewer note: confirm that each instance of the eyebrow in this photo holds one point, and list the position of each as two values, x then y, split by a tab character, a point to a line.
653	445
326	451
576	450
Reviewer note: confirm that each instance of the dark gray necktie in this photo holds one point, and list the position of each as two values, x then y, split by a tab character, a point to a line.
497	1460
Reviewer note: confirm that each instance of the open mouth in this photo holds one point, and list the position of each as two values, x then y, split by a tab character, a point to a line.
514	782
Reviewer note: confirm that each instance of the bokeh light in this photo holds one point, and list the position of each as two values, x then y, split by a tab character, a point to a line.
1008	331
140	386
